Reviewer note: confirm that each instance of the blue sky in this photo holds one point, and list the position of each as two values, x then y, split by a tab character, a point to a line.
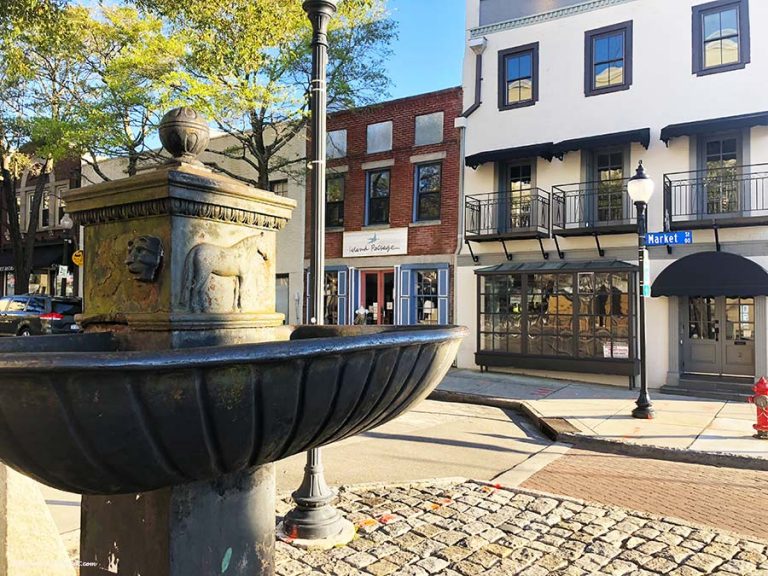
428	55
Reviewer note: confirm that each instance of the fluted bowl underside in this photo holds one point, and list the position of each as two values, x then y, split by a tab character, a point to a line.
123	422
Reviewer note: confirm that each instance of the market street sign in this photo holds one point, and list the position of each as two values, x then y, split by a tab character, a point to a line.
668	238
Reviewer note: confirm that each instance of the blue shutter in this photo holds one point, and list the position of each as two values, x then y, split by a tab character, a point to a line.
406	290
442	296
343	296
354	291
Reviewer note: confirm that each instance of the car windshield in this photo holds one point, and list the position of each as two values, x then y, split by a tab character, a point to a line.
67	308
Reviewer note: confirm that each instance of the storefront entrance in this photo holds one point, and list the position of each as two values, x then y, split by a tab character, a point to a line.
378	296
719	336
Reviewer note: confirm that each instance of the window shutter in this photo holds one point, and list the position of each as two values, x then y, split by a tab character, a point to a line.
442	295
354	291
406	291
343	296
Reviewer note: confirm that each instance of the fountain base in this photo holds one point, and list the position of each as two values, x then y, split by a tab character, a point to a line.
226	526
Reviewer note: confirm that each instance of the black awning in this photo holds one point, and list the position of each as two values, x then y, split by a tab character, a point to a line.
712	274
44	257
546	266
641	135
713	125
532	151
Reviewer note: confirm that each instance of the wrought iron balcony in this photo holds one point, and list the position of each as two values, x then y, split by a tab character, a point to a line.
592	207
522	213
731	196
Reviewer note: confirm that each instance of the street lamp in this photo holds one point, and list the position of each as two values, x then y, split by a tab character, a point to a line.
640	190
313	519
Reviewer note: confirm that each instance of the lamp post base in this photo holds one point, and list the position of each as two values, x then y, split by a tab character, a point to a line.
643	412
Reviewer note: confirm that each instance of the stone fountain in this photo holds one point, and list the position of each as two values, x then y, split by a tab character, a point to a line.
168	413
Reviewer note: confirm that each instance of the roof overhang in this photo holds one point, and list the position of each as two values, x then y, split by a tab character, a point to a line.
546	267
506	154
713	125
712	274
641	135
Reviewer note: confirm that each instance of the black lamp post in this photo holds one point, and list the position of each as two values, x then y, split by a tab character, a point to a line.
640	190
314	518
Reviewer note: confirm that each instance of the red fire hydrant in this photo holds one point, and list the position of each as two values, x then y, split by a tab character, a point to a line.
760	400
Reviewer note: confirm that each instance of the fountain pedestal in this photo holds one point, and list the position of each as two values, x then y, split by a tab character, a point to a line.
225	526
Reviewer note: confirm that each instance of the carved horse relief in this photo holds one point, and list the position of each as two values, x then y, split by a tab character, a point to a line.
235	261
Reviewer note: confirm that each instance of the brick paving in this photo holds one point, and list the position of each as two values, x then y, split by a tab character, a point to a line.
473	529
721	497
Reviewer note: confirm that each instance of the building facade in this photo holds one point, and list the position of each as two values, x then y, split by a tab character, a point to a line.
392	225
53	270
562	100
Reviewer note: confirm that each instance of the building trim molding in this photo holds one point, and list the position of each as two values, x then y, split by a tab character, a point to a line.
589	6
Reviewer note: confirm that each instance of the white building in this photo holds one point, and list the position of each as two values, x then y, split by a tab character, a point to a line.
563	98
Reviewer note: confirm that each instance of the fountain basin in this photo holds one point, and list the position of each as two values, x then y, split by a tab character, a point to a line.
100	421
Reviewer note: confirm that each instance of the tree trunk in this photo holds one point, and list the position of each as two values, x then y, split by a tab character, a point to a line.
133	163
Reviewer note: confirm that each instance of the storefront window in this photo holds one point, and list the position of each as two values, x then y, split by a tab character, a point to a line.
426	297
567	314
331	298
10	283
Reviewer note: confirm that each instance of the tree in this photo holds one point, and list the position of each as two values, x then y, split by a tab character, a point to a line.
249	68
37	75
129	58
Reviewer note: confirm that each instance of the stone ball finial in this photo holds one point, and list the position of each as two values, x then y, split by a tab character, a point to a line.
184	133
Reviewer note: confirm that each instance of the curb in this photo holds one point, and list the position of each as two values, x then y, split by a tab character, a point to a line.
560	430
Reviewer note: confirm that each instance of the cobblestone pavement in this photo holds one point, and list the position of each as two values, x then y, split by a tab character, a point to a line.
470	529
721	497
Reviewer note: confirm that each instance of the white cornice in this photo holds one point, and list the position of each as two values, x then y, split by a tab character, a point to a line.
544	17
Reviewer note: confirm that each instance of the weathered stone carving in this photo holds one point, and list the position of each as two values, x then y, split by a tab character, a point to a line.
184	133
178	207
203	260
145	255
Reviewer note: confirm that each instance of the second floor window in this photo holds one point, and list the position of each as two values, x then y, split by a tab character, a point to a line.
379	137
377	193
720	36
428	183
334	201
279	187
608	59
518	76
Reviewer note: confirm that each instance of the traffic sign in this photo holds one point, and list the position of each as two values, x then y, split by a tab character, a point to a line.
668	238
77	258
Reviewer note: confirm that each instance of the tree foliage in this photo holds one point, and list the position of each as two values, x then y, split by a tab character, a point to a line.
248	68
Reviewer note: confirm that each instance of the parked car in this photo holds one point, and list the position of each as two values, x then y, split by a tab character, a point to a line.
35	314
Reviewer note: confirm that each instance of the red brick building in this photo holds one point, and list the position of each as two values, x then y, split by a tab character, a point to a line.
392	210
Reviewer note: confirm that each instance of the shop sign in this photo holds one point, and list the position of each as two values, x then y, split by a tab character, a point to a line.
388	242
77	258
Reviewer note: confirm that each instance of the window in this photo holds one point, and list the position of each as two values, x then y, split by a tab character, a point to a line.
612	201
377	194
279	187
608	62
429	129
44	219
426	297
336	144
334	201
572	314
518	76
428	182
720	36
379	137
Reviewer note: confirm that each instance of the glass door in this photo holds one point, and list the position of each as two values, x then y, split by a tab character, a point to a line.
378	296
609	186
720	178
518	196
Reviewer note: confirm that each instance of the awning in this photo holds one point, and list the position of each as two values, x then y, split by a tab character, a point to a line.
641	135
44	257
712	274
546	266
713	125
544	150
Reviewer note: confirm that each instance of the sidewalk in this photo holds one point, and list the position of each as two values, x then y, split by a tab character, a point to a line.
586	413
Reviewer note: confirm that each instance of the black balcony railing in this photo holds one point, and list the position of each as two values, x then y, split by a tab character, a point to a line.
602	206
734	195
510	214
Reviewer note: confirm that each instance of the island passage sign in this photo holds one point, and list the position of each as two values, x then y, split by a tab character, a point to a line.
385	242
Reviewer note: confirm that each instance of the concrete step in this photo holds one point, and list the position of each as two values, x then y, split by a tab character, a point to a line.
724	395
717	384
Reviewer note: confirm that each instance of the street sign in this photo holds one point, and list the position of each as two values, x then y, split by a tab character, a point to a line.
668	238
77	258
